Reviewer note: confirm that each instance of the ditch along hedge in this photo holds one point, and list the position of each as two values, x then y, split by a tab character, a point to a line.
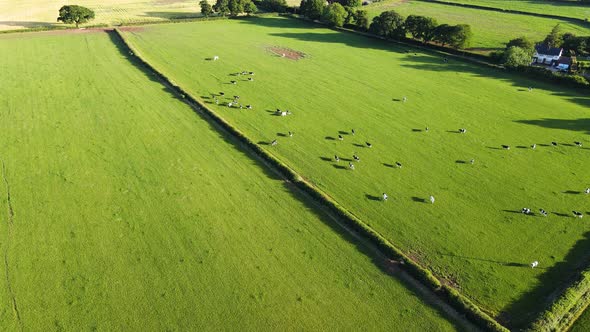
509	11
455	299
567	308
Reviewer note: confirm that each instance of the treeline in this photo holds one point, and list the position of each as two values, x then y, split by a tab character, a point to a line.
388	24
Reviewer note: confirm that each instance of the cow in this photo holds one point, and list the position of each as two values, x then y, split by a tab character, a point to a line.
578	214
462	130
534	146
587	191
554	143
340	138
249	107
431	199
384	196
215	58
578	144
274	142
405	99
355	157
398	164
472	161
506	147
233	82
351	166
251	73
250	79
353	132
222	94
336	158
526	211
543	212
534	264
369	145
290	134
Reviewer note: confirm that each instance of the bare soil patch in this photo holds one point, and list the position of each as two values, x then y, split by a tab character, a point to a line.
132	29
286	52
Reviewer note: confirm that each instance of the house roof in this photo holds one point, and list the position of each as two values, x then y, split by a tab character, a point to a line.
545	49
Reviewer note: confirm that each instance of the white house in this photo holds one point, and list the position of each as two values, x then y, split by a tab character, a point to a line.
547	55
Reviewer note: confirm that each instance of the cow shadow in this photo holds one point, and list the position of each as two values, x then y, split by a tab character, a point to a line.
282	135
416	130
326	159
563	215
388	165
372	197
460	162
571	192
330	138
358	145
339	166
263	143
418	199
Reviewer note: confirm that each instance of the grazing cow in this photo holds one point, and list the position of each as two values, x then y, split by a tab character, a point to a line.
506	147
233	82
577	214
355	157
369	145
587	191
398	164
405	99
472	161
249	107
222	94
534	146
543	212
244	72
534	264
351	166
554	143
526	210
273	143
578	143
284	113
236	97
215	58
431	199
353	132
426	128
216	101
462	130
336	158
288	112
250	79
290	134
230	104
251	73
384	197
340	137
283	55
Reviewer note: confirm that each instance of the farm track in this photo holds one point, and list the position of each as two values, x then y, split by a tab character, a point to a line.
9	235
381	261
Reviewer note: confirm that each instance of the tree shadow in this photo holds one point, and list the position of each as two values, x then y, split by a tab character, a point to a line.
171	15
550	285
31	24
372	197
581	125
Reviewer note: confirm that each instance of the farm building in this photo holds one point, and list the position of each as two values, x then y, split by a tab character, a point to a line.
547	55
563	63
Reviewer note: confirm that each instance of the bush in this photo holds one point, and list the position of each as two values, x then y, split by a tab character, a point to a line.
515	57
279	6
312	9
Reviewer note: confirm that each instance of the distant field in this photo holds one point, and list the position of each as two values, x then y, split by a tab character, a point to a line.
35	13
568	9
128	212
474	236
492	30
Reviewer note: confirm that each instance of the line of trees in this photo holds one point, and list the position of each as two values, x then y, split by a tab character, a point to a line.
388	24
228	7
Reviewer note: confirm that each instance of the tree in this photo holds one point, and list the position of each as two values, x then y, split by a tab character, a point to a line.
250	8
236	7
221	7
555	37
278	6
421	27
461	36
75	14
442	34
388	24
516	57
361	20
206	9
334	14
350	3
314	8
522	42
350	12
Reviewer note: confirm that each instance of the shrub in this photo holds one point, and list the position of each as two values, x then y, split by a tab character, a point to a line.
334	14
388	24
278	6
515	57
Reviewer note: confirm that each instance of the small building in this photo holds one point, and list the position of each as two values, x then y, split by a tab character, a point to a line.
547	55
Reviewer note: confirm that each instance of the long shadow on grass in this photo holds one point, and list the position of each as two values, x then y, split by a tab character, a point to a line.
425	60
550	286
384	265
581	125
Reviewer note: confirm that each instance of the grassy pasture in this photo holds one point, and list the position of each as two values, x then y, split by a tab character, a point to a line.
131	213
40	13
583	323
567	9
492	30
474	235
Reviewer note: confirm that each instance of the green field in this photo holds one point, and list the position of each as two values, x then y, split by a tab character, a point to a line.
567	9
491	30
125	210
42	13
474	236
582	324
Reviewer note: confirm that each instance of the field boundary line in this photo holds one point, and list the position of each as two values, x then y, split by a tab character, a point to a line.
450	295
9	235
509	11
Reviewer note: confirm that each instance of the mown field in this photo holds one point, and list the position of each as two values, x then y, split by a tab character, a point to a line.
561	8
23	14
491	30
123	210
474	236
